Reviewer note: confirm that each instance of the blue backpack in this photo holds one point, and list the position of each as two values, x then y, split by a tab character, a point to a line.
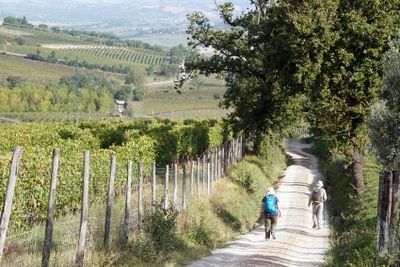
270	204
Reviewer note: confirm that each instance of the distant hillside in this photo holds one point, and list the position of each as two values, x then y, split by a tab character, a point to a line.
90	50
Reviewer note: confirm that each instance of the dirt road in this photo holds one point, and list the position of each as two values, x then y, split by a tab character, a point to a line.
297	243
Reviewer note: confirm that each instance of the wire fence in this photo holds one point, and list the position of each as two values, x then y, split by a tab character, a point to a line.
177	184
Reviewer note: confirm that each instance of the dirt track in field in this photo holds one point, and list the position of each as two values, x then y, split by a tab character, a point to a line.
297	243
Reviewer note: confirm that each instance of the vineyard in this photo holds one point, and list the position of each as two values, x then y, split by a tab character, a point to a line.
102	55
113	53
149	141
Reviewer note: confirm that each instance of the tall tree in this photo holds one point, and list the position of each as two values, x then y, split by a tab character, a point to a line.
269	56
385	137
350	75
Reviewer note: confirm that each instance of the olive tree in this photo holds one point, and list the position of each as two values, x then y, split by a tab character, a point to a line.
384	132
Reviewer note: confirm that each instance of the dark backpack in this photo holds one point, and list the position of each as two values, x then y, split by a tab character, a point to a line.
317	195
270	204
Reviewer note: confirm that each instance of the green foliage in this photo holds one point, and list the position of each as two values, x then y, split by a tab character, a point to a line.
14	80
277	53
163	141
249	176
159	238
269	58
161	229
177	54
53	98
384	123
17	21
135	76
34	172
346	86
353	219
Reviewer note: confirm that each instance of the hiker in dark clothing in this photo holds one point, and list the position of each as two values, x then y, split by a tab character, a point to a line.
270	210
317	199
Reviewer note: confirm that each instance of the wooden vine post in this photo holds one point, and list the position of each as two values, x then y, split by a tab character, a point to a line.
184	184
153	187
80	255
191	176
208	177
110	194
166	187
50	209
211	160
175	193
125	230
198	175
203	172
6	212
140	195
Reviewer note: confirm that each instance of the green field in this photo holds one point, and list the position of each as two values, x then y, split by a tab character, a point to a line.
93	55
32	36
41	72
82	47
112	55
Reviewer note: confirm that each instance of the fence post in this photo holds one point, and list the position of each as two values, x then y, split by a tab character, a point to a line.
153	188
140	195
243	151
228	154
208	177
184	184
219	162
84	212
175	196
166	187
198	175
203	172
127	204
191	176
50	209
5	215
241	146
223	158
211	160
234	150
231	152
216	163
109	202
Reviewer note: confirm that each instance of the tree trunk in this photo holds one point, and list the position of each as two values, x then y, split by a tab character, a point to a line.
394	213
384	212
358	164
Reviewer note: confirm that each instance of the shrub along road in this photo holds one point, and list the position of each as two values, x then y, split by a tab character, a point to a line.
297	243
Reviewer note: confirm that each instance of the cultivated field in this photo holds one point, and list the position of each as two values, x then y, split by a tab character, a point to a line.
41	72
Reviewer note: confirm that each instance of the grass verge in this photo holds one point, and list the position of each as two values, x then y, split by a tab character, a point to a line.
353	219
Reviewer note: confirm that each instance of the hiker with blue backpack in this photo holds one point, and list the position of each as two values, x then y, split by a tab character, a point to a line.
270	210
317	199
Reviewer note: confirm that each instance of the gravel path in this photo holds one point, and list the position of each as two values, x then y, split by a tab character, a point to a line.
297	243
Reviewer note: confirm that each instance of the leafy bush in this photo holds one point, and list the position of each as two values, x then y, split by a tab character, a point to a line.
159	237
247	175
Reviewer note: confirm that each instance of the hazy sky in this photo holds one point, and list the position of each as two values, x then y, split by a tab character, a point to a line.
112	15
